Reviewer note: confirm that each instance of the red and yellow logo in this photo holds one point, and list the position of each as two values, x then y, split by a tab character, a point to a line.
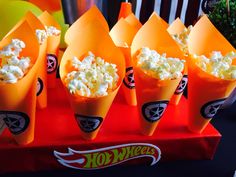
108	156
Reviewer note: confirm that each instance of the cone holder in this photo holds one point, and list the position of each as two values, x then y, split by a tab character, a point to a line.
57	130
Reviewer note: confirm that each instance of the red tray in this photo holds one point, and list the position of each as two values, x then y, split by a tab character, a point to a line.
56	129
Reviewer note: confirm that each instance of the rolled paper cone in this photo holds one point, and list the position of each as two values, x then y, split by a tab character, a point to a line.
122	34
153	95
18	100
132	20
176	27
88	110
35	24
52	49
128	85
203	39
125	10
93	14
163	22
180	88
203	106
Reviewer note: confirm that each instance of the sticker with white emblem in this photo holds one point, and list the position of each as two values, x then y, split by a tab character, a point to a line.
209	109
129	78
51	63
153	111
17	122
39	86
182	85
88	123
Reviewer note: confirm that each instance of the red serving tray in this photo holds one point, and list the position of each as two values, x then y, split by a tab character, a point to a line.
56	129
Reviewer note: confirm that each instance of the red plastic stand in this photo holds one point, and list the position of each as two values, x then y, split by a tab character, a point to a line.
56	129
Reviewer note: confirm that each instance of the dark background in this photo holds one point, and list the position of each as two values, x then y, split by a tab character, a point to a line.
223	164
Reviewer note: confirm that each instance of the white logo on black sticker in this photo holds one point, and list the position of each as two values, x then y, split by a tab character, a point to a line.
182	85
17	122
88	123
209	109
39	86
153	111
52	63
129	78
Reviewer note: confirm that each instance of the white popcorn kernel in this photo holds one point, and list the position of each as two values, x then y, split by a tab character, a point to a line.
52	31
41	35
93	77
159	66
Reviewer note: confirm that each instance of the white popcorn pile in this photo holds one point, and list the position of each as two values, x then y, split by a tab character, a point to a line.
182	39
218	65
43	34
93	77
159	66
12	66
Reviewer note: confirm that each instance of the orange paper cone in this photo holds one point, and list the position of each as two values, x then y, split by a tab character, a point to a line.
177	27
163	22
132	20
153	95
52	48
125	10
35	24
18	100
91	15
122	34
206	92
87	110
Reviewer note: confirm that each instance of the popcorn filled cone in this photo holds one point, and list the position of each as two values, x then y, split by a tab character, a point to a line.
53	42
206	92
125	10
92	110
176	27
89	16
35	24
18	100
122	34
153	94
132	20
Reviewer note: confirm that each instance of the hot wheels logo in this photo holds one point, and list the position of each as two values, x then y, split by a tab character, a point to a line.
109	156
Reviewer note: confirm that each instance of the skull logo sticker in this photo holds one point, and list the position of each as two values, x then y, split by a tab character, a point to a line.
182	85
88	123
51	63
209	109
153	111
17	122
129	78
39	86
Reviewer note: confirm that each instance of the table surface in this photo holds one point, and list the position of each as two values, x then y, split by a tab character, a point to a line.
223	164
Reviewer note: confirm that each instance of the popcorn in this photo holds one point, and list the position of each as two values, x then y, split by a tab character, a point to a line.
92	77
218	65
159	66
52	31
182	39
12	66
43	34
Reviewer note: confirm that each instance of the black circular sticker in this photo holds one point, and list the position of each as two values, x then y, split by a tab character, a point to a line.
51	63
182	85
88	123
129	78
209	109
208	5
17	122
39	86
153	111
